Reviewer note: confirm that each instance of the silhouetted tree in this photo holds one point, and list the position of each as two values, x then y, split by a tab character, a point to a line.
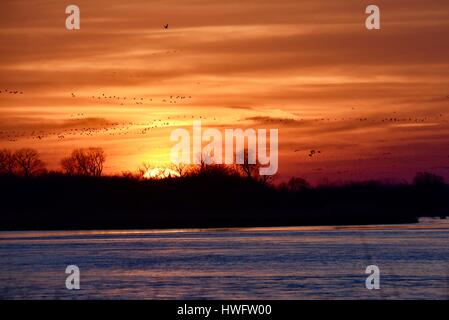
207	167
7	162
84	162
205	160
144	169
181	169
147	171
97	158
28	162
428	179
130	175
252	170
69	165
295	185
247	169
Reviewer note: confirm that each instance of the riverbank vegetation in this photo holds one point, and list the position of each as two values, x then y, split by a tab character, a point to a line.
201	196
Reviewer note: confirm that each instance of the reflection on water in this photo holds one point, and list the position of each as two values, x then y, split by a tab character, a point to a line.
258	263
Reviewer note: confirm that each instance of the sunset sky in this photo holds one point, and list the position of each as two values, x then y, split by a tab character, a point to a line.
375	103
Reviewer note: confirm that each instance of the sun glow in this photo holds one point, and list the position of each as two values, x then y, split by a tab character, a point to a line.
160	173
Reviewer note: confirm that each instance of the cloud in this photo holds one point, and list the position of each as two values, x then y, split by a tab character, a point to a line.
38	124
288	64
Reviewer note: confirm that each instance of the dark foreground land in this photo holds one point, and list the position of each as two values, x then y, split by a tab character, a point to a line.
71	202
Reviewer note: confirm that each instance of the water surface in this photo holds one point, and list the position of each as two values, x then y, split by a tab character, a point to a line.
260	263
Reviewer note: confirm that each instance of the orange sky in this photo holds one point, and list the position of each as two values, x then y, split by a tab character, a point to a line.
309	68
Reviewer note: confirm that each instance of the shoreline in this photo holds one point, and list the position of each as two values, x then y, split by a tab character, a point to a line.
371	227
255	227
208	201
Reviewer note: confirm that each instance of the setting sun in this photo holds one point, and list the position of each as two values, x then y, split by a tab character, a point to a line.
160	173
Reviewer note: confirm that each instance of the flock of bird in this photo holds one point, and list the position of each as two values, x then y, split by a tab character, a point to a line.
314	152
396	119
124	128
103	128
166	52
77	127
122	100
6	91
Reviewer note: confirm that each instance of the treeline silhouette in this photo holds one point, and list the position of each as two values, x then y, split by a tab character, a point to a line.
26	162
199	196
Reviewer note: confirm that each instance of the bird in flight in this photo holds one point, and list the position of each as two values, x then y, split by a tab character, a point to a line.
313	152
166	26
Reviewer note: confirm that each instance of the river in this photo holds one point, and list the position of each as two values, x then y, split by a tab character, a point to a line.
250	263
